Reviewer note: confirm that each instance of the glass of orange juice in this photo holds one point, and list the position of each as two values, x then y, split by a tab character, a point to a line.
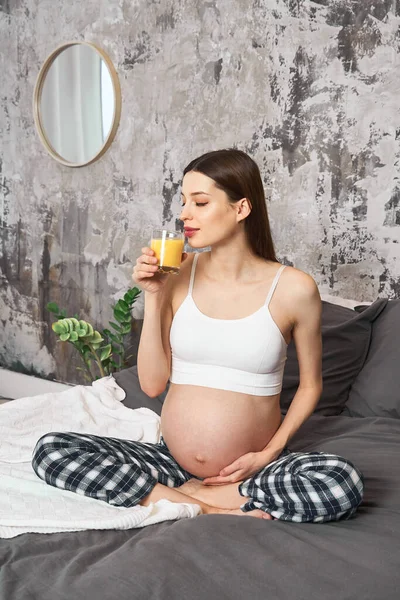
168	248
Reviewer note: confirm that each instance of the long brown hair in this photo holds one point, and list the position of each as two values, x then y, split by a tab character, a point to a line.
234	172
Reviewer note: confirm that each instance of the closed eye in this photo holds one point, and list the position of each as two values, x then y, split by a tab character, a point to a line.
197	203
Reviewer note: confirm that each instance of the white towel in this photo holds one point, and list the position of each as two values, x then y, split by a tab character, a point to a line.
28	504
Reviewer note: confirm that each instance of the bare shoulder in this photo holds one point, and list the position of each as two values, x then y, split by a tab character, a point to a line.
301	294
301	284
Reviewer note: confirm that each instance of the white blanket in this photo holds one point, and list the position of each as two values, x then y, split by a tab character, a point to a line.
27	504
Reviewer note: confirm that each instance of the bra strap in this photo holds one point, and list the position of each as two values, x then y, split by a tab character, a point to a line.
274	284
194	263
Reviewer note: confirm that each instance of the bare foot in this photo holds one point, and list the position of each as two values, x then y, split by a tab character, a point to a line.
257	513
220	496
191	487
225	499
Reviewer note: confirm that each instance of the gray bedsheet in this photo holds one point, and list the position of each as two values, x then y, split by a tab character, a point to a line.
234	557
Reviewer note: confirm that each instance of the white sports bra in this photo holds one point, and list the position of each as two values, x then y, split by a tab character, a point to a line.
241	355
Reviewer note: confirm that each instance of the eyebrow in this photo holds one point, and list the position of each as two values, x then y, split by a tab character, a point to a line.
196	194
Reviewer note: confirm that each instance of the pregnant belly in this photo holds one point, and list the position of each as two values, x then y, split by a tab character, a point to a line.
207	429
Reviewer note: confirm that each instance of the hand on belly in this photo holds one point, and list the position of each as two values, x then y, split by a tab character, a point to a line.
206	460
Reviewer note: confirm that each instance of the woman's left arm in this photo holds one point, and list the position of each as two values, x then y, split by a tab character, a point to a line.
307	310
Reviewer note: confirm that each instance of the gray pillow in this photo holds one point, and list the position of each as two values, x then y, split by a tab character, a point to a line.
346	336
376	389
135	398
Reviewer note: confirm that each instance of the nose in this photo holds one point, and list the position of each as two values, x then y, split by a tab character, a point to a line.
184	213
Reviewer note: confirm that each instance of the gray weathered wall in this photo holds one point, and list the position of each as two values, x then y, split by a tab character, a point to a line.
310	89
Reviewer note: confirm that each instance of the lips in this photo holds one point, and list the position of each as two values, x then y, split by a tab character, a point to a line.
190	232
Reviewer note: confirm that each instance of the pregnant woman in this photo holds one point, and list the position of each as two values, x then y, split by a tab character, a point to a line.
219	332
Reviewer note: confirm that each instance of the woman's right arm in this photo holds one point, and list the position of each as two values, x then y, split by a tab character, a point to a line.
154	353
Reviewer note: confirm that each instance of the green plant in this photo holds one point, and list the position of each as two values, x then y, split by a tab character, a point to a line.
105	350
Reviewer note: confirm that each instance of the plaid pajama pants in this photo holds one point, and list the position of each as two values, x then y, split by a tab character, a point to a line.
298	486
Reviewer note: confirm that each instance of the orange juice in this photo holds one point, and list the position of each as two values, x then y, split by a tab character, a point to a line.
168	253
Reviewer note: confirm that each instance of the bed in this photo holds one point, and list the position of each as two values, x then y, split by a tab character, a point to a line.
234	557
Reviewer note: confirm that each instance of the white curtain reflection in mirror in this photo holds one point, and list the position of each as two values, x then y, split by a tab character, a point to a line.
107	100
77	103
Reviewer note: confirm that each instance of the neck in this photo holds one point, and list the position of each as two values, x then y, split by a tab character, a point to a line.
231	262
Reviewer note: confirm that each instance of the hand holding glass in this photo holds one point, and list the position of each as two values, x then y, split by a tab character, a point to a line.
168	248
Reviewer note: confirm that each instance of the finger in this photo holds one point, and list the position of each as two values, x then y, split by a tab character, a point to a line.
146	268
229	469
219	480
145	259
140	274
213	482
210	480
147	250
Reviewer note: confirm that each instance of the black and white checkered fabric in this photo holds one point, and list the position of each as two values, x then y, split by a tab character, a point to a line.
120	472
305	486
298	487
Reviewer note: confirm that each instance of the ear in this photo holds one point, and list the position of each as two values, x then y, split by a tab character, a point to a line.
243	208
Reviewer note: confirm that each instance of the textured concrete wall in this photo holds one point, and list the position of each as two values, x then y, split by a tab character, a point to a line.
310	89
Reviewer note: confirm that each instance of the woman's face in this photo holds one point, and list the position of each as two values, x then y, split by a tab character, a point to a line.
208	216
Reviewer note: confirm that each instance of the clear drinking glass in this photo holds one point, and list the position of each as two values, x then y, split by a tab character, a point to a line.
168	248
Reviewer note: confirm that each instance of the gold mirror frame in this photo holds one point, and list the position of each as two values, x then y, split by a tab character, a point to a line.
38	94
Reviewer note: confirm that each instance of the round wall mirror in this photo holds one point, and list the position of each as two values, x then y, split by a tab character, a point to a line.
77	103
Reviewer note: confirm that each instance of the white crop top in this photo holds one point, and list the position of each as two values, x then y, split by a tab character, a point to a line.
245	355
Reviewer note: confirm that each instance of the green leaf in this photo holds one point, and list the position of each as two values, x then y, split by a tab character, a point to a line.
115	326
74	322
68	324
97	337
58	327
115	338
105	352
73	336
132	293
90	330
63	313
120	316
122	306
53	307
64	337
126	329
84	325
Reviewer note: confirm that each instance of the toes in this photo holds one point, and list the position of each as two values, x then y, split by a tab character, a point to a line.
259	514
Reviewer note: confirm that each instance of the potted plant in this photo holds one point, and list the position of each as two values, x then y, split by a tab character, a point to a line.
102	352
